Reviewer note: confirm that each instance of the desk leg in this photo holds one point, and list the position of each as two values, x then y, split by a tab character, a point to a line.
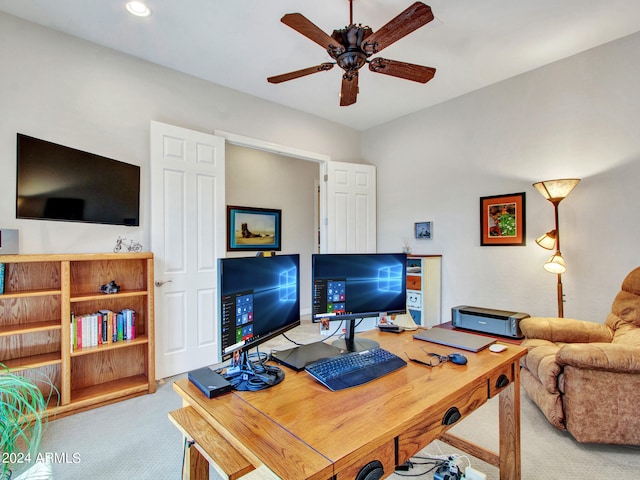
510	429
196	466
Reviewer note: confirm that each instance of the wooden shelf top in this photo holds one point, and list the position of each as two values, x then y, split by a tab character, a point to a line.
34	361
30	327
85	297
31	293
141	340
73	257
104	392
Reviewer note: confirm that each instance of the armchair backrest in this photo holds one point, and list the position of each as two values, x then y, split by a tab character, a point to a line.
624	318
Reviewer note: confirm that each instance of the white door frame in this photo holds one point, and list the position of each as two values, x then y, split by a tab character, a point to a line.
321	159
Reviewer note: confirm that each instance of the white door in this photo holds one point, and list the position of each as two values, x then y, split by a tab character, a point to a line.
351	208
187	237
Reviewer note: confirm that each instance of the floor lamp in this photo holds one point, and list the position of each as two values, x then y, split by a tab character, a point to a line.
555	191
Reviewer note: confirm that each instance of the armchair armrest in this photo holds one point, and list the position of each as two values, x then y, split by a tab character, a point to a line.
565	330
612	357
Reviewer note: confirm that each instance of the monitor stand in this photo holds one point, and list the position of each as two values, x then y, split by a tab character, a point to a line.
299	357
351	343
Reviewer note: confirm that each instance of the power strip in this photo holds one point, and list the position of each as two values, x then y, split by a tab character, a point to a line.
473	474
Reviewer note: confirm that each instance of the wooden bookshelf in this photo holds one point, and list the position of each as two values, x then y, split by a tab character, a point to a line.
41	291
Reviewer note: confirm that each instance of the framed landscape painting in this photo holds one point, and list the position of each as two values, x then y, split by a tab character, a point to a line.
502	220
253	228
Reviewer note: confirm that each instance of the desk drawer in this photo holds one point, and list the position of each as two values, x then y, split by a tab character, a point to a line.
501	380
384	454
414	282
414	299
431	427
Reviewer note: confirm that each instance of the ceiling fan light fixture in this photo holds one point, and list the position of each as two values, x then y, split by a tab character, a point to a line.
137	8
352	46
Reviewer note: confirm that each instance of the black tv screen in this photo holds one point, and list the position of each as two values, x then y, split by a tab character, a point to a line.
55	182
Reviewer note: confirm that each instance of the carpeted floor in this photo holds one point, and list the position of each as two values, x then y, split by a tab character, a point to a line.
135	440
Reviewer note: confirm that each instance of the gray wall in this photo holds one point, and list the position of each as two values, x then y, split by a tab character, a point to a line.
579	117
259	179
68	91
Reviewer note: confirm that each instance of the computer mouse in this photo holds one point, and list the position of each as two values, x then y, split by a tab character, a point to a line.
457	358
497	348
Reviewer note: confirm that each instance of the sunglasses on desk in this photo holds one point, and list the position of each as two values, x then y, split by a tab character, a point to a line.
432	360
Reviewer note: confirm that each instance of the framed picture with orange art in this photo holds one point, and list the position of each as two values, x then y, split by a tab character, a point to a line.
502	220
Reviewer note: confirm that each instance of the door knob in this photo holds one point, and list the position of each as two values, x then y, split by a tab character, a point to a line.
160	283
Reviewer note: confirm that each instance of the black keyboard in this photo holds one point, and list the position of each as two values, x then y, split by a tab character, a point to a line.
356	368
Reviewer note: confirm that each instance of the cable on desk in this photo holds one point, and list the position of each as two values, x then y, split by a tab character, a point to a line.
437	462
339	328
254	374
291	340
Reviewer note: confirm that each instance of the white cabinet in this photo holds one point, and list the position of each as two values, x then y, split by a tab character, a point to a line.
424	293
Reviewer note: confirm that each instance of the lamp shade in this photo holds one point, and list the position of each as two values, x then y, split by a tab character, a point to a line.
556	190
555	264
548	240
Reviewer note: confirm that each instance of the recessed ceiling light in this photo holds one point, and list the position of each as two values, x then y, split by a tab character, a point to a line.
138	9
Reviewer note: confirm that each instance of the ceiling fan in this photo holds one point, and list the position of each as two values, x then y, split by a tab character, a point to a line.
352	46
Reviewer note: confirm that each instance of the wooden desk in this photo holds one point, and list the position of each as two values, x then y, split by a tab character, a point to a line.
300	429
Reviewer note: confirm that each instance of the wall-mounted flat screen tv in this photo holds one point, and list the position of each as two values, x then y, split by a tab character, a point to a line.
55	182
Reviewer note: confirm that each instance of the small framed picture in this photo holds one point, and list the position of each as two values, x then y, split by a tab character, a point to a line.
423	230
251	228
502	220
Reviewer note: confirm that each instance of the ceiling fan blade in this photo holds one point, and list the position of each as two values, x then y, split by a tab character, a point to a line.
302	25
408	71
349	92
300	73
409	20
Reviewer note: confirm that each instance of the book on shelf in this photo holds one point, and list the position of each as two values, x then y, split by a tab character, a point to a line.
101	327
120	327
1	278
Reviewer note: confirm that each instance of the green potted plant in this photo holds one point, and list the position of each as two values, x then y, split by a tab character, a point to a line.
22	417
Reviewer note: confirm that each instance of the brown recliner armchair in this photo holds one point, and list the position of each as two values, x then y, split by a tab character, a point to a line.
585	376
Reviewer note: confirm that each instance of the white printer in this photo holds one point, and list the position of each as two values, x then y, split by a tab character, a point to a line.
488	320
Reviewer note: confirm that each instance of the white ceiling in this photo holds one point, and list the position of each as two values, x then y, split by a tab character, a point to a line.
239	43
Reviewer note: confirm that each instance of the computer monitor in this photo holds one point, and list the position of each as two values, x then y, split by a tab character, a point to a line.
259	298
350	287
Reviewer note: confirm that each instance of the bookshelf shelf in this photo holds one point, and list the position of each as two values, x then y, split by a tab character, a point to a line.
110	346
87	297
29	328
33	361
109	391
31	293
42	291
